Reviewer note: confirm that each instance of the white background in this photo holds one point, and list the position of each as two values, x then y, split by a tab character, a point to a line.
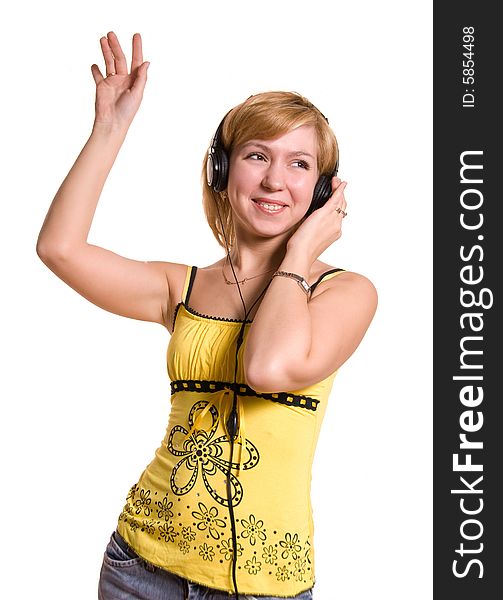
85	393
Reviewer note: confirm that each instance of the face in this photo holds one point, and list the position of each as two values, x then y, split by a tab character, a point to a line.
271	182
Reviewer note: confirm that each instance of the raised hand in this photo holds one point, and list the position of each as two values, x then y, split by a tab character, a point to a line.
119	93
323	226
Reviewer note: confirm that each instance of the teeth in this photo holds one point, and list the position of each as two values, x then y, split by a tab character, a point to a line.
270	206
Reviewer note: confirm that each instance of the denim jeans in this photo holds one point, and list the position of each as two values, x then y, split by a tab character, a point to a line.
126	576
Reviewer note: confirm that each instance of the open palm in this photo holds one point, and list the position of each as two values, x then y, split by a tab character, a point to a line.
119	93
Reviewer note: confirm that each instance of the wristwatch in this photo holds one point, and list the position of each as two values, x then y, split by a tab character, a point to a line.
298	278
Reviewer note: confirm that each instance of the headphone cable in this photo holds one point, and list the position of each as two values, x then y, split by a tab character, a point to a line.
231	423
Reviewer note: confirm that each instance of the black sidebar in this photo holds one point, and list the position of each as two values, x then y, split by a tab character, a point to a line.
468	353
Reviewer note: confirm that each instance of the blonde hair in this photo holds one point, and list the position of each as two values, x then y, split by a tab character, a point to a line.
265	116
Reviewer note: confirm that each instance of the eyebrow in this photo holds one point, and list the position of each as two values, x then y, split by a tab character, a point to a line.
266	148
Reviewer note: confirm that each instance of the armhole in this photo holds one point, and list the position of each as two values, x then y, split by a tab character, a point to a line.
326	275
187	286
189	281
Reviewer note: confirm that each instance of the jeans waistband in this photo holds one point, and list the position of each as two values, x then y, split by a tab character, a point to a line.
123	545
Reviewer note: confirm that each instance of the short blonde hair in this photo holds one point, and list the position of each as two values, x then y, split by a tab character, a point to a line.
265	116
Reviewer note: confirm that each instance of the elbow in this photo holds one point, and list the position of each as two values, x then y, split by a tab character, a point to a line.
50	253
266	378
47	255
42	250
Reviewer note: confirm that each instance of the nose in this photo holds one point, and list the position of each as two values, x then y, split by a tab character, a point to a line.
273	178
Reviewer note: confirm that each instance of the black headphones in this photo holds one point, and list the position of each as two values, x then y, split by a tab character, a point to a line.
217	172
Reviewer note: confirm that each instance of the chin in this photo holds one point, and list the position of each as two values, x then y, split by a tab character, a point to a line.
277	231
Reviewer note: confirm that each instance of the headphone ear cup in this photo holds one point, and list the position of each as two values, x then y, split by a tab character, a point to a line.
322	192
217	168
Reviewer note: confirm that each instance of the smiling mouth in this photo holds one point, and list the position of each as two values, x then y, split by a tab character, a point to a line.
269	207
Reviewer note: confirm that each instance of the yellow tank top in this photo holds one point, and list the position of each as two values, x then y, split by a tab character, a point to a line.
177	515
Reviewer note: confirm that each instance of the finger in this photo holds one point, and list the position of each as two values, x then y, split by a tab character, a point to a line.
137	56
95	70
140	79
341	208
120	59
338	201
108	56
336	182
337	195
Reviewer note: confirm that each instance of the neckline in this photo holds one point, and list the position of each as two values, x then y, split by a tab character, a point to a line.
196	313
210	318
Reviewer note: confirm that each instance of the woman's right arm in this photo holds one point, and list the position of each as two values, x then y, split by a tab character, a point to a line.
135	289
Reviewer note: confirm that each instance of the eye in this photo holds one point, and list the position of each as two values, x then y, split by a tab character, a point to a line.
302	163
256	156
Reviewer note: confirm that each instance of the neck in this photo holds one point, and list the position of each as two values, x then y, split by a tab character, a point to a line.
250	259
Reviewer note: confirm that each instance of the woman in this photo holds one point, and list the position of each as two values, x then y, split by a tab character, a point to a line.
256	341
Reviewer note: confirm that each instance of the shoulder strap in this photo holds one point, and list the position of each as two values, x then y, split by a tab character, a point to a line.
326	275
189	281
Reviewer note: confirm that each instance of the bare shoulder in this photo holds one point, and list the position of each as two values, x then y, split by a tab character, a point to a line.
326	274
337	277
173	271
341	310
356	284
339	285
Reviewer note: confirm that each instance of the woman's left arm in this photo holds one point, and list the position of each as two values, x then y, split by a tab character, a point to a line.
292	342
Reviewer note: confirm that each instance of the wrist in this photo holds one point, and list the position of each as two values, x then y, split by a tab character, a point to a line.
109	130
302	282
296	261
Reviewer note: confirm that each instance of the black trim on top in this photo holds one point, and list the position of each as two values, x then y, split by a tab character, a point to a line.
212	318
191	283
203	385
174	317
322	276
227	319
